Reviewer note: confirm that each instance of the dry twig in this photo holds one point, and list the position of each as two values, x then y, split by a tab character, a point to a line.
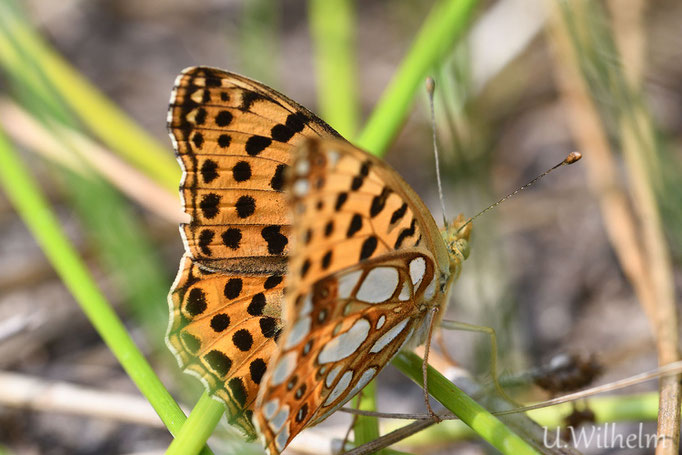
636	235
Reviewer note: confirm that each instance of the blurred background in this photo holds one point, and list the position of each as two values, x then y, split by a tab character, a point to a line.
587	261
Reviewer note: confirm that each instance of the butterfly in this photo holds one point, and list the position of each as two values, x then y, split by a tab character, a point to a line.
309	263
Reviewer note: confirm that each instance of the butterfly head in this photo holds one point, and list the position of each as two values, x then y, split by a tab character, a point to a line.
456	235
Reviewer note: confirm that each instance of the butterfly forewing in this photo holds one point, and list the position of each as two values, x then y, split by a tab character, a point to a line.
362	270
234	139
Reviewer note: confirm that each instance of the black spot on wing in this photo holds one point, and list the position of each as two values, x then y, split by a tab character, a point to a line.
302	413
368	247
257	370
205	239
340	201
220	322
326	260
238	390
242	339
219	362
305	267
379	202
297	121
224	140
364	169
241	171
399	213
209	205
257	305
212	79
354	226
232	238
276	241
281	133
356	183
209	171
248	98
233	288
245	206
405	233
300	391
277	181
191	342
198	140
294	124
268	327
272	281
200	116
196	302
223	118
256	144
329	228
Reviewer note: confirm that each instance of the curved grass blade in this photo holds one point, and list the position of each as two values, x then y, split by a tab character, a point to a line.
24	193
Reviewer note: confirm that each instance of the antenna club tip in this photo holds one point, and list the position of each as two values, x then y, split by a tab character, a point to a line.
573	157
430	85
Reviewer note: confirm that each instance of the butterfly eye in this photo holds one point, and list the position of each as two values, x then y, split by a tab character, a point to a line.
459	248
463	247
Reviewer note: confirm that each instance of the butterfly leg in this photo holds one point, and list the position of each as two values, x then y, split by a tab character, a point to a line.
425	365
463	326
443	349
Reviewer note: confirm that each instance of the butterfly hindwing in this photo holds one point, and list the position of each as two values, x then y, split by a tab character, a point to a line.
224	332
339	342
360	271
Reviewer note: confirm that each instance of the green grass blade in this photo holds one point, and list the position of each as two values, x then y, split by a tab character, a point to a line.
91	107
332	24
487	426
24	193
259	44
198	427
446	22
366	429
611	409
126	251
24	78
116	232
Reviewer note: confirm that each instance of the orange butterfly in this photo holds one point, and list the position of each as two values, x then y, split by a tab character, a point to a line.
274	192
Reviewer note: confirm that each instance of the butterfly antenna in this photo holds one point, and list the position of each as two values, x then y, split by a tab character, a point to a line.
430	89
570	159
